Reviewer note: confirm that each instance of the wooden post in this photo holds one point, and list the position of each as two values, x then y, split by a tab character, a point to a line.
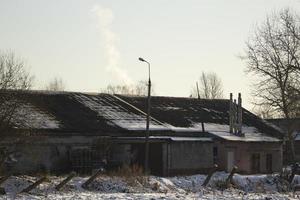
210	174
34	185
92	178
229	178
65	181
3	179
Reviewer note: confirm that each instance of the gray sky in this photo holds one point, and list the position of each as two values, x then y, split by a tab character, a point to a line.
90	43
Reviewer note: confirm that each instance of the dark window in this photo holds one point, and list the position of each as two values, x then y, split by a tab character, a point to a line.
269	163
255	163
215	154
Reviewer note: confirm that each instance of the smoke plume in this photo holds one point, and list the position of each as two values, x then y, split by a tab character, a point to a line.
105	19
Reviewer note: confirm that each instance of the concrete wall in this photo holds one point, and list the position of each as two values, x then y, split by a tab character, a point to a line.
54	154
243	152
187	157
37	158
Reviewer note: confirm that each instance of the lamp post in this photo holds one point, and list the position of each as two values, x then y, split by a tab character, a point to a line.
148	119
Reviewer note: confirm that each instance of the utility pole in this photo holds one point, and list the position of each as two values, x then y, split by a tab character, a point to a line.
147	120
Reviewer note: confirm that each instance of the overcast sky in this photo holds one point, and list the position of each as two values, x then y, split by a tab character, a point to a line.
90	43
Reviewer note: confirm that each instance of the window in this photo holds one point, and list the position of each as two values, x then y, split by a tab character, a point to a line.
215	154
269	163
255	163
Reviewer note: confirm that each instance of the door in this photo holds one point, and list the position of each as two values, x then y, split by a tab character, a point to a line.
156	159
230	160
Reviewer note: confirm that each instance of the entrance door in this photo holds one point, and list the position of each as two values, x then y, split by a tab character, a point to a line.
156	159
230	160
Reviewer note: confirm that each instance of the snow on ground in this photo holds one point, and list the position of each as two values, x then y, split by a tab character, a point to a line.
179	187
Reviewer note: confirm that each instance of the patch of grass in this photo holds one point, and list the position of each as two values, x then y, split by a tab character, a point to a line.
127	171
133	175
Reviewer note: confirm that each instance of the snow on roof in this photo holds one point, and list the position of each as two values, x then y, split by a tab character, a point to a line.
251	134
29	116
117	113
170	138
222	131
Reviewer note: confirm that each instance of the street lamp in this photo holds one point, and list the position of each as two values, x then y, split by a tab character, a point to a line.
148	118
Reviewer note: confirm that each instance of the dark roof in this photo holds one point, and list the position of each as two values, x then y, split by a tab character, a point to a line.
288	124
283	123
117	115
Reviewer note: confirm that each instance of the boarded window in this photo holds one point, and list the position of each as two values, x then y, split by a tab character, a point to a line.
255	163
269	162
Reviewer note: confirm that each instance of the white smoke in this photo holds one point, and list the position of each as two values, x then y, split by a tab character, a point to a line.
105	18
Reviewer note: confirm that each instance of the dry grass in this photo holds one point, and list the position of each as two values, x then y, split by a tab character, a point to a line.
134	175
127	171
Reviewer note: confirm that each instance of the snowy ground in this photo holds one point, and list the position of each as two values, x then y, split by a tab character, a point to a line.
181	187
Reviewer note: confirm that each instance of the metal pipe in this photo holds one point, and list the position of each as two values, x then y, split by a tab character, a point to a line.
240	114
230	115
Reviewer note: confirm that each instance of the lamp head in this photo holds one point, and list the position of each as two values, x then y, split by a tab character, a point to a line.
141	59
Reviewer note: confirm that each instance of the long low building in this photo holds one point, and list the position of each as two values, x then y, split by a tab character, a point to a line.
62	131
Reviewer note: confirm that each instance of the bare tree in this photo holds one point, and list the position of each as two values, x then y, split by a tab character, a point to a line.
265	112
210	86
138	89
56	84
273	55
13	78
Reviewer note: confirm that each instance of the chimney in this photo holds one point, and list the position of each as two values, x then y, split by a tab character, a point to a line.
230	114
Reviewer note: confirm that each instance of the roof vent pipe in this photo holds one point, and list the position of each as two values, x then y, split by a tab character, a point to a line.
234	113
230	114
240	117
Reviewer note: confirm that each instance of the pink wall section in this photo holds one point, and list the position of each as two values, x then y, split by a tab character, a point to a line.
243	152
